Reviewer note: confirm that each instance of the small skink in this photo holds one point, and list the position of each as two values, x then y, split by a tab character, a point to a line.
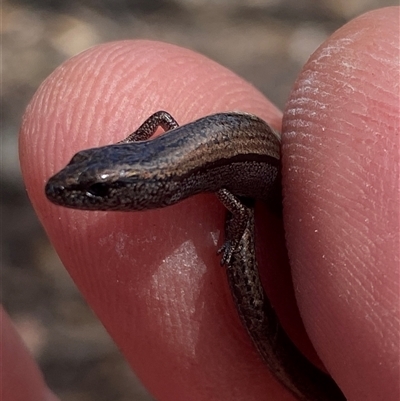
237	156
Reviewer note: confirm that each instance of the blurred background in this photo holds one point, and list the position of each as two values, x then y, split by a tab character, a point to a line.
264	41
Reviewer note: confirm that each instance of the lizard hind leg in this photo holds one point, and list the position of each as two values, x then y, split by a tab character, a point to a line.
238	216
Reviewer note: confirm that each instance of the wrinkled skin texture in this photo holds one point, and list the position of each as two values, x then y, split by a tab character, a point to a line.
166	302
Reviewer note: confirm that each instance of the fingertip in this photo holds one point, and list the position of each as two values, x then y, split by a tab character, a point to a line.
340	163
21	378
142	273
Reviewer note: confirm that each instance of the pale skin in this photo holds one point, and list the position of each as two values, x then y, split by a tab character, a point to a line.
340	184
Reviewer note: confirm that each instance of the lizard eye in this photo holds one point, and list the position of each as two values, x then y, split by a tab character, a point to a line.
98	189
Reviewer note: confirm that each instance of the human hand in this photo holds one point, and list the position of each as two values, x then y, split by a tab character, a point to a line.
153	278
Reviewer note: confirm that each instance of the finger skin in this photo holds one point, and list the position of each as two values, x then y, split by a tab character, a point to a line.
341	190
21	379
156	284
153	278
